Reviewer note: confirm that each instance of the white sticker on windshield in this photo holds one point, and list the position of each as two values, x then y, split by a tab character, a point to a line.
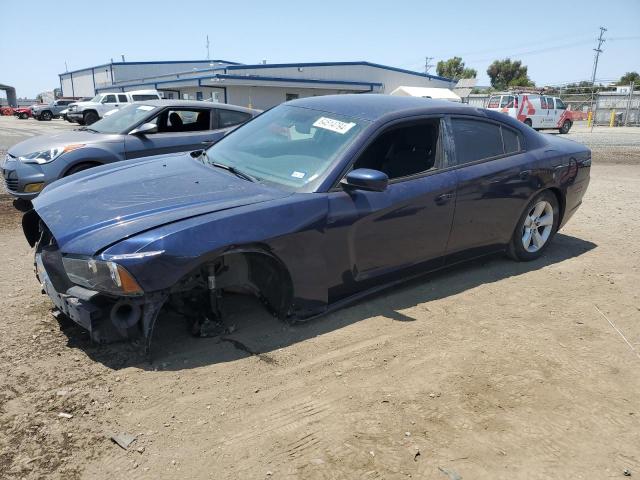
298	174
146	108
334	125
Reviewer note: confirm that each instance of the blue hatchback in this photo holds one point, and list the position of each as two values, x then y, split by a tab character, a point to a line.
308	206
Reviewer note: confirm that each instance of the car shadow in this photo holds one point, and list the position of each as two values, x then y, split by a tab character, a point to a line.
253	331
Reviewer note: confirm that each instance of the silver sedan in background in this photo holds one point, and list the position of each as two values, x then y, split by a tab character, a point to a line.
138	130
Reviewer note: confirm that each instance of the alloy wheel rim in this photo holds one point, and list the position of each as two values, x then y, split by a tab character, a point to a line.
537	226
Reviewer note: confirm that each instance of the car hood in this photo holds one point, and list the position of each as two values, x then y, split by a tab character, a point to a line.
96	208
45	142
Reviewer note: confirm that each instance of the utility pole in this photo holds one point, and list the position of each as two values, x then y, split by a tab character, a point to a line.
598	51
208	57
427	65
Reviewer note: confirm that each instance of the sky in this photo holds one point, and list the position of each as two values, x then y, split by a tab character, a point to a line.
555	39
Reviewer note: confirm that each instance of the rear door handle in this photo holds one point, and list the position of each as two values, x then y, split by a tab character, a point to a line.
444	198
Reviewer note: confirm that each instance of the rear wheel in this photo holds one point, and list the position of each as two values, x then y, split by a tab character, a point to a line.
566	126
90	117
527	122
46	115
536	227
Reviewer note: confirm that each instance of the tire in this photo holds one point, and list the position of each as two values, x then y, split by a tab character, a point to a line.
80	167
566	126
527	122
90	117
46	115
23	116
535	230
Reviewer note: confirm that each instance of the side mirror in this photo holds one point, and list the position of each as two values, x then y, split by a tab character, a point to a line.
145	129
366	179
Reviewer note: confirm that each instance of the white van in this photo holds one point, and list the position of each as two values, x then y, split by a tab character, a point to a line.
86	113
536	110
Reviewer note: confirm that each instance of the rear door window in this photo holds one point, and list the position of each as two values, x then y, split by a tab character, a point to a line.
229	118
476	140
123	98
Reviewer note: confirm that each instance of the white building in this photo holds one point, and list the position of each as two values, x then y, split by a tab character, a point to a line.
259	86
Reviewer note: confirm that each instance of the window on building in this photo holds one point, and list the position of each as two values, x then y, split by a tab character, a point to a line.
291	96
229	118
199	96
404	151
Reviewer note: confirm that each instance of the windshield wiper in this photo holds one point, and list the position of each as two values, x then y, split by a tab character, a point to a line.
229	168
87	129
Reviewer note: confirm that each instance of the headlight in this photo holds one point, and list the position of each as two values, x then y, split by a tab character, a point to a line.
102	276
46	156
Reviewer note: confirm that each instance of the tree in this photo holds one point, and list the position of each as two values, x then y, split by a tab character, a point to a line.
454	68
506	73
630	77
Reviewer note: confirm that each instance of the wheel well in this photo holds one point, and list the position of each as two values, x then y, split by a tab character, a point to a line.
89	111
81	164
247	270
561	202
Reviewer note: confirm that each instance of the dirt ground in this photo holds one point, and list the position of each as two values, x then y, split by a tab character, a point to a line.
491	370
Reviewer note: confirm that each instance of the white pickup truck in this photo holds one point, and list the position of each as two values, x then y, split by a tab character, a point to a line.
86	113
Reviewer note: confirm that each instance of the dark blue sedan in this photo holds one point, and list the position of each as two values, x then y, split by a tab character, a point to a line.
309	206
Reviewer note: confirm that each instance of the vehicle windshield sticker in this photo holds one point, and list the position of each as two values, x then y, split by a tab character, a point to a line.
298	174
334	125
145	107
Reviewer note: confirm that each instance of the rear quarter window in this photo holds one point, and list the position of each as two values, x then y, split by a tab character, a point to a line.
511	140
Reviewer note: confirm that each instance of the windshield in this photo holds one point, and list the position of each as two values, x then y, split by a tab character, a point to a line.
288	146
121	121
96	99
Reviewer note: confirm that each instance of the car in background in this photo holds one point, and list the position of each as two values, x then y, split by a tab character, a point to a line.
23	112
51	110
536	110
309	207
7	111
89	112
137	130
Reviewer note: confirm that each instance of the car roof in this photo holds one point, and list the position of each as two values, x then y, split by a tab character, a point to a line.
196	104
375	106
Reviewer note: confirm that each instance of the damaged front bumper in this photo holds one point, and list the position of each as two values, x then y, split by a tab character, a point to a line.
106	319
